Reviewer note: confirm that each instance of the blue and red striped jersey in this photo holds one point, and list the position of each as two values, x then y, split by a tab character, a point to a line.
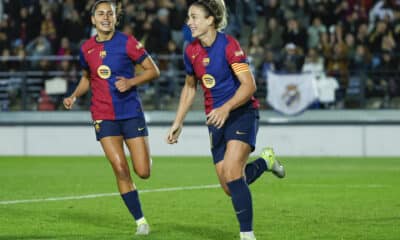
212	66
105	61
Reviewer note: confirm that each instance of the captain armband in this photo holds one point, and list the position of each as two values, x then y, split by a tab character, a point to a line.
240	67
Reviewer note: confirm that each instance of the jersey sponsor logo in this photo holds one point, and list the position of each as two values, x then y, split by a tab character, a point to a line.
104	71
206	61
103	54
208	81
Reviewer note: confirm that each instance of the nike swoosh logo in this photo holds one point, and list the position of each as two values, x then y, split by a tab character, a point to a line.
240	133
241	211
140	129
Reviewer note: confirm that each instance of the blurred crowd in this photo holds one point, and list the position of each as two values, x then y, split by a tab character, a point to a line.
354	41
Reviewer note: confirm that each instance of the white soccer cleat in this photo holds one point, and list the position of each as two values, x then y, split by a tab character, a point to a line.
247	236
143	227
273	165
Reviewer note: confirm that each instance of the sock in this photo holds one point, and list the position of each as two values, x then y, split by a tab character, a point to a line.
242	203
132	202
255	169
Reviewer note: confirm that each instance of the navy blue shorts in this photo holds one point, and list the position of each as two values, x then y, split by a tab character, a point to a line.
242	124
128	128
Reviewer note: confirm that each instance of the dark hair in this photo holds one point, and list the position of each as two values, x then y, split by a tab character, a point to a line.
116	4
215	8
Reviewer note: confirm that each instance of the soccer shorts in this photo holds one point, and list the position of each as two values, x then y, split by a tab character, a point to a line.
242	125
128	128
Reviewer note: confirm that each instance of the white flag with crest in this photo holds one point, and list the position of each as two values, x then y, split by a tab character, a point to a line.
291	93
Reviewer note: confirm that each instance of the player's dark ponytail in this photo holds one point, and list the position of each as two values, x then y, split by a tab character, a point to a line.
215	8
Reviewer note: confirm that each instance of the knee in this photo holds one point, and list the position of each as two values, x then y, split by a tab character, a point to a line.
143	174
122	173
231	174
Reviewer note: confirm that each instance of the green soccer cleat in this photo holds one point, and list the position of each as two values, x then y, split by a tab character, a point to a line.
247	236
143	228
273	165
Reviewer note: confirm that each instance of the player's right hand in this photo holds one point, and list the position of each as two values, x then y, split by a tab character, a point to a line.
69	102
173	134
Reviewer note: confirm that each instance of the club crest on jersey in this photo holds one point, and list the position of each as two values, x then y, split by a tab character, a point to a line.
96	125
206	61
103	54
139	45
208	81
104	71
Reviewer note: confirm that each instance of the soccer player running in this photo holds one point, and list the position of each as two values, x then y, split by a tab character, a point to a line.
218	62
108	70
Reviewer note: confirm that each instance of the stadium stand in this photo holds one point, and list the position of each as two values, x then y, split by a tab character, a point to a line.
356	42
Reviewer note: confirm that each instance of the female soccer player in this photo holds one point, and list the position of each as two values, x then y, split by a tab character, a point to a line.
218	62
108	61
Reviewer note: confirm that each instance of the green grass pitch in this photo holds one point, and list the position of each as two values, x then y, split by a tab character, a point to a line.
321	198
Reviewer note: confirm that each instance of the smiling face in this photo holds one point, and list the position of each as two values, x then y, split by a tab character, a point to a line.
198	22
104	18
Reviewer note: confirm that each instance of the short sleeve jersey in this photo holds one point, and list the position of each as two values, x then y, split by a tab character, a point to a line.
105	61
212	67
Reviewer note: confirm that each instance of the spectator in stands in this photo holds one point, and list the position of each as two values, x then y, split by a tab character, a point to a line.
177	20
295	34
48	29
314	32
73	28
361	34
160	33
38	48
301	12
273	37
292	59
232	111
313	62
255	50
108	60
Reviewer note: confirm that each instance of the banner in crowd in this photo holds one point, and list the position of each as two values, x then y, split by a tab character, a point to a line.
291	93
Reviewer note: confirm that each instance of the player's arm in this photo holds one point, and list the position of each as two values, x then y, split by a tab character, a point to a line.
150	72
81	89
188	94
243	94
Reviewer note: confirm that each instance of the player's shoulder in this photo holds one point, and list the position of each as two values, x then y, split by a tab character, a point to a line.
88	44
193	47
231	40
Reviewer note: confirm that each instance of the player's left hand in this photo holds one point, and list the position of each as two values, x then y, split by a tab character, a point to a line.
218	116
123	84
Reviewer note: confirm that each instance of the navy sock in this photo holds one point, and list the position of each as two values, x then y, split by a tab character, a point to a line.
242	203
254	170
131	200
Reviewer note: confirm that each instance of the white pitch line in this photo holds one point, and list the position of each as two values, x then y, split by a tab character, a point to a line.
105	195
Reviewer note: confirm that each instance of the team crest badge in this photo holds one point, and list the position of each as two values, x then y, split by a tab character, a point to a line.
208	81
97	125
291	96
139	45
104	71
103	54
206	61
